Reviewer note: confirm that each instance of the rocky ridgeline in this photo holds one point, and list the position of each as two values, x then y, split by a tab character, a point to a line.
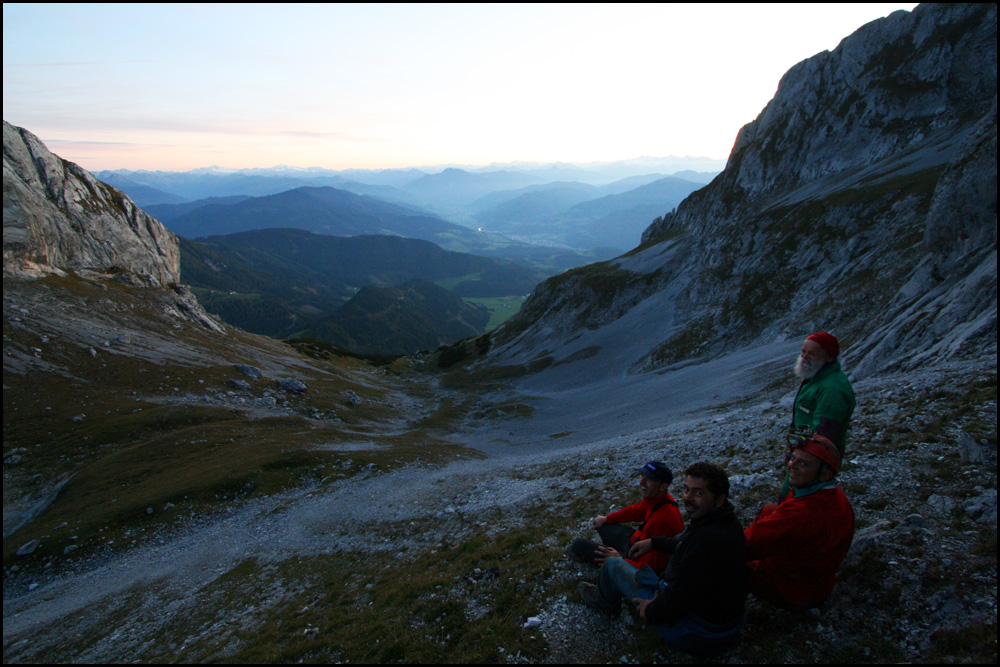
57	216
862	200
884	91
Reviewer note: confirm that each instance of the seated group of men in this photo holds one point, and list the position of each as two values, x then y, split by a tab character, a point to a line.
691	584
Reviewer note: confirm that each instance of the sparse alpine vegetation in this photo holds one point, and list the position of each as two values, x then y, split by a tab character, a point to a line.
176	489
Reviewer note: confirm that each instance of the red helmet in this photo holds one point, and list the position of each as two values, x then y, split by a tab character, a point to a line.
823	449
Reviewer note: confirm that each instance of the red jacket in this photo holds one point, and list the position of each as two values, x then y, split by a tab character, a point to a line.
795	548
660	517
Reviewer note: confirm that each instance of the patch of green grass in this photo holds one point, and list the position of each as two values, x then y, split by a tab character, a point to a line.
541	364
975	643
775	635
854	488
501	308
684	344
193	468
580	355
463	352
668	234
508	410
875	649
393	608
462	378
322	350
865	578
877	504
987	543
451	283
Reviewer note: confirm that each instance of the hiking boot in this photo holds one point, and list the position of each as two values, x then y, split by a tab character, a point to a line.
572	554
581	550
590	597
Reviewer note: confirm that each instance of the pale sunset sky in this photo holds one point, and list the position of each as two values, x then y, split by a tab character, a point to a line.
177	87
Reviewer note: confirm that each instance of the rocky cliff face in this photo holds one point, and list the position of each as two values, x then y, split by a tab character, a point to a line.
862	200
57	216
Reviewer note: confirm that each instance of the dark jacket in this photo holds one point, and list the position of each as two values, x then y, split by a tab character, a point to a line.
707	575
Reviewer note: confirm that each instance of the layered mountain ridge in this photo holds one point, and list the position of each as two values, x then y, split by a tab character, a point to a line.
862	200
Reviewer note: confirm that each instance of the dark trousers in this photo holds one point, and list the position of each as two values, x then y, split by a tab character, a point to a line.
614	535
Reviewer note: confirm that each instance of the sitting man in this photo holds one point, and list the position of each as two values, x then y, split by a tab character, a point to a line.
794	548
698	604
657	512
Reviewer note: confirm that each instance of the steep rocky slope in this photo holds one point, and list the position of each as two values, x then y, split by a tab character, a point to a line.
57	216
862	200
187	492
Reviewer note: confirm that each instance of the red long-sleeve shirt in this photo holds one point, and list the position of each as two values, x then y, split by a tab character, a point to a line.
661	518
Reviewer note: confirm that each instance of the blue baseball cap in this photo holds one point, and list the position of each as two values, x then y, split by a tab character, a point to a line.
658	471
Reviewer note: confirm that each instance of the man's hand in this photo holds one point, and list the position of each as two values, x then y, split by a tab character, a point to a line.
601	554
640	548
600	521
641	604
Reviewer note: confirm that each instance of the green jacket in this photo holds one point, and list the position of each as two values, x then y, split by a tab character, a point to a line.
824	405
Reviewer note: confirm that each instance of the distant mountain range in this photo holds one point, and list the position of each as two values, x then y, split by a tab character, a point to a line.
168	212
322	210
334	212
461	196
578	216
276	257
162	187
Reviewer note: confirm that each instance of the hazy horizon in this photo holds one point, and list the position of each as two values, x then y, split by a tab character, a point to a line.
182	87
703	164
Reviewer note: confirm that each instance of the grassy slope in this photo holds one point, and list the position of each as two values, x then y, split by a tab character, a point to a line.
466	596
178	437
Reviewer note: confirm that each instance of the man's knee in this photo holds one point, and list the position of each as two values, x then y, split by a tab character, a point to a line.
620	569
618	575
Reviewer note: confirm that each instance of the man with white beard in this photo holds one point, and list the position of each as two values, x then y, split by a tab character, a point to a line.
825	401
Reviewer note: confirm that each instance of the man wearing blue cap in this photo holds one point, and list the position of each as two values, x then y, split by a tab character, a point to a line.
657	514
697	603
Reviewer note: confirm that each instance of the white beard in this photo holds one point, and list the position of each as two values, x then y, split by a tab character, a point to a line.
806	369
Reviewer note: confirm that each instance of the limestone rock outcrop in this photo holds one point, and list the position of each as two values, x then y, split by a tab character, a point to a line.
862	201
57	217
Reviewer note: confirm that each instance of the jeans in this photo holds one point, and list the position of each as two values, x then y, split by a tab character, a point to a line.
619	579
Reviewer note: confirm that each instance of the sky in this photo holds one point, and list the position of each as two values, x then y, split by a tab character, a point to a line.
339	86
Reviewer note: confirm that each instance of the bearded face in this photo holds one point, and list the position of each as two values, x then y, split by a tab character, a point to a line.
811	360
805	369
